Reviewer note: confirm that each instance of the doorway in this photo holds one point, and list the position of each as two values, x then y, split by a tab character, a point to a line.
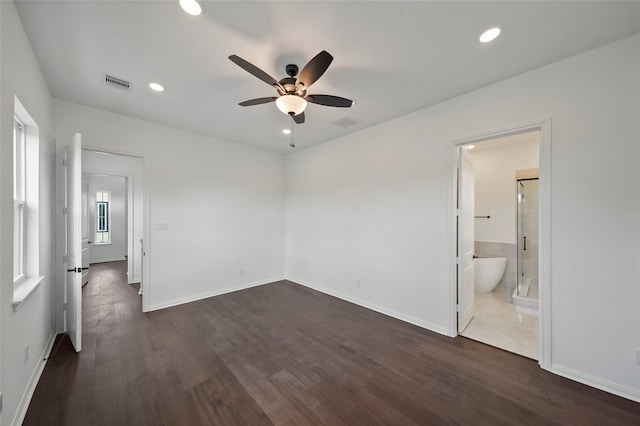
108	236
111	171
509	217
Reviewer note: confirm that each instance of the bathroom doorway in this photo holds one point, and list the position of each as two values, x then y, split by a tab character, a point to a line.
506	233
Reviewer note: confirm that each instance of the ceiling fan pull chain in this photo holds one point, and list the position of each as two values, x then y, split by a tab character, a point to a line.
292	145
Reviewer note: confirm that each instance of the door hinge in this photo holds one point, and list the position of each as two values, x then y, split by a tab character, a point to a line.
64	211
457	308
64	306
457	212
457	260
64	162
65	258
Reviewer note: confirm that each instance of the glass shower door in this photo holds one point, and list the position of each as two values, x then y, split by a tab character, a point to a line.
527	285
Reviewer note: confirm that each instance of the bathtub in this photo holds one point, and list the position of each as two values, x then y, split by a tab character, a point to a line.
488	272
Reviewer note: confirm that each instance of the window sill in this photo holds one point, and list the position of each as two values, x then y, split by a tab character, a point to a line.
23	290
102	244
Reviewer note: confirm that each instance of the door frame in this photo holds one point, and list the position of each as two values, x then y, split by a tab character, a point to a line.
544	302
130	206
145	284
145	276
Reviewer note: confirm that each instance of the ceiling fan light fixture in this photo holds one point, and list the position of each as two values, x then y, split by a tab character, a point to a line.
192	7
291	104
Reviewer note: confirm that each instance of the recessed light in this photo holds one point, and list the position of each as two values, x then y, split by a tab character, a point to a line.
286	131
192	7
470	146
490	35
157	87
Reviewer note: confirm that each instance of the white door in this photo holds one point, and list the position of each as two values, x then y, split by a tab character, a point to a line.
85	231
466	238
73	250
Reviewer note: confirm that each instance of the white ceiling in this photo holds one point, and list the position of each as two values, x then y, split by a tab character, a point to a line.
391	57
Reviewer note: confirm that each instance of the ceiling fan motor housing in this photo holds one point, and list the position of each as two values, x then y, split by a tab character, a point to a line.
289	85
292	70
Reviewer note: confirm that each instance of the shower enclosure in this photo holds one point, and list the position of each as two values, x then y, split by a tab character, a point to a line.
527	243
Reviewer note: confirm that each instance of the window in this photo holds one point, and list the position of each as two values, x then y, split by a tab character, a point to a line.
103	218
19	199
26	198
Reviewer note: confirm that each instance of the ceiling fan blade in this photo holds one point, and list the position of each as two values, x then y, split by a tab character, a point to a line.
329	100
299	119
314	69
255	71
258	101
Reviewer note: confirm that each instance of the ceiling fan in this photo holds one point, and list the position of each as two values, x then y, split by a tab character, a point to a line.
292	91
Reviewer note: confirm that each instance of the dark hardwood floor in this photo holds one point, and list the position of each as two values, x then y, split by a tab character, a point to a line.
283	354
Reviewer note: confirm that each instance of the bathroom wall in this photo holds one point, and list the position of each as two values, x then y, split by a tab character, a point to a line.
496	162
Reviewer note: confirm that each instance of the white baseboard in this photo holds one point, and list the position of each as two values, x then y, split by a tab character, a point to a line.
23	406
106	260
595	382
218	292
385	311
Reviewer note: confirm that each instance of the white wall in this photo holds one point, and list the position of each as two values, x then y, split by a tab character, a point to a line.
376	205
495	164
32	324
223	204
117	250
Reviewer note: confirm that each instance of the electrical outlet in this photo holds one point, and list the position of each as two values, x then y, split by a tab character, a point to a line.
358	283
26	353
241	271
162	226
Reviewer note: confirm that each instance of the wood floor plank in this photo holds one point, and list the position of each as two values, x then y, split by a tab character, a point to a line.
282	354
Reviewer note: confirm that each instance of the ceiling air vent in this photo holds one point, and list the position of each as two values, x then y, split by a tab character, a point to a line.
116	82
344	122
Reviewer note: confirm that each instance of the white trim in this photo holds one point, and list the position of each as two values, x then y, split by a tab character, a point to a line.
145	272
23	289
108	259
595	382
544	267
388	312
452	242
544	306
23	406
206	295
131	206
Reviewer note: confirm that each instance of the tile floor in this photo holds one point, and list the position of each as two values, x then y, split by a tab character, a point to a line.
501	324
